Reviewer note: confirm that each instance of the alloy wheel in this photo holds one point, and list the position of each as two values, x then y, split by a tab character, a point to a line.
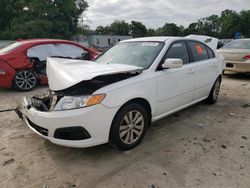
25	80
216	90
131	127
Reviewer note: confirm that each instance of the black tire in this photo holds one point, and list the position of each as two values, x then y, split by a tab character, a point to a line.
25	80
119	122
214	93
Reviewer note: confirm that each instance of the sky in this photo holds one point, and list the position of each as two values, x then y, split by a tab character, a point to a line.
155	13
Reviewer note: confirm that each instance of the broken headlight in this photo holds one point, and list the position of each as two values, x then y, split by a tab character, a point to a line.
74	102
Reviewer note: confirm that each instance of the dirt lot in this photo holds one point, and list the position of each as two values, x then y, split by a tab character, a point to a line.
202	146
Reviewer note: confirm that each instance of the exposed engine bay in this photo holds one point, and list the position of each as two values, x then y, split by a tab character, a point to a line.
48	100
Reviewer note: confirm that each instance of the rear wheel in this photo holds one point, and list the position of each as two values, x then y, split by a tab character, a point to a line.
129	126
25	80
214	93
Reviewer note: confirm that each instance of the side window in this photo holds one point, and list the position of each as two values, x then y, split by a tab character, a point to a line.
63	50
68	50
41	51
210	53
178	50
199	51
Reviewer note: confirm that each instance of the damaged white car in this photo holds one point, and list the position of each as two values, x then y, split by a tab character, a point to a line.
115	98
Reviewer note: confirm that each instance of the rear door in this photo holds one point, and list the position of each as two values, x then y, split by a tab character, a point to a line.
206	67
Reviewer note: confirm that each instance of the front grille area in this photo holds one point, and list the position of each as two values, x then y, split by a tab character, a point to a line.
41	130
71	133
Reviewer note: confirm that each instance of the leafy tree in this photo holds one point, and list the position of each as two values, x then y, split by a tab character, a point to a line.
170	29
150	32
119	28
36	18
181	30
230	23
220	26
193	28
245	23
224	26
85	30
138	29
100	30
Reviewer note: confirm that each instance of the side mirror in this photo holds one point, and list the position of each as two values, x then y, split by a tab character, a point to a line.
172	63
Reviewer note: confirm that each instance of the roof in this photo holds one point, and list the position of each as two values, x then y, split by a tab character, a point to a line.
150	39
122	36
41	40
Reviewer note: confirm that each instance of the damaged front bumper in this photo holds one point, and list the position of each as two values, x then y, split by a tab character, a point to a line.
84	127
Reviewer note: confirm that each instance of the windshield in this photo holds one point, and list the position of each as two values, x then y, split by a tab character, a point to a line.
238	44
140	54
10	47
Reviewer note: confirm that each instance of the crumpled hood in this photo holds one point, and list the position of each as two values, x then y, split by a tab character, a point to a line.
64	73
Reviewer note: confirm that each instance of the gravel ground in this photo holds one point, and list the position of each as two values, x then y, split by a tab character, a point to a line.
201	146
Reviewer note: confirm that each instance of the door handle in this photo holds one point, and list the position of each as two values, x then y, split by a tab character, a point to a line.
190	71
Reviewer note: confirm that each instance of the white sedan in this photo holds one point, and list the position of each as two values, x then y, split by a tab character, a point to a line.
115	98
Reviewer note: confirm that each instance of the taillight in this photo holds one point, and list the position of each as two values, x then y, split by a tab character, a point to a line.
2	72
247	57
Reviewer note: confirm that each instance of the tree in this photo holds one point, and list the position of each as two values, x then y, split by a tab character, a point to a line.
100	30
193	28
181	30
170	29
36	18
119	28
151	32
230	23
210	26
245	23
138	29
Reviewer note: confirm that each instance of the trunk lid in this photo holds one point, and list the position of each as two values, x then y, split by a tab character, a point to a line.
64	73
210	41
234	54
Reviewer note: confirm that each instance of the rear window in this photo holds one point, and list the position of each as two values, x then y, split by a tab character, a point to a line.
199	51
238	44
10	47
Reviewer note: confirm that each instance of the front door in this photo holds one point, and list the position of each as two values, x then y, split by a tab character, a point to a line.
175	87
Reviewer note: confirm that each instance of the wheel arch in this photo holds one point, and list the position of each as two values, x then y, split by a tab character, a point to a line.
142	101
220	77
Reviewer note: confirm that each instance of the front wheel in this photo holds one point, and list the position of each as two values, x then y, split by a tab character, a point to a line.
214	93
129	126
25	80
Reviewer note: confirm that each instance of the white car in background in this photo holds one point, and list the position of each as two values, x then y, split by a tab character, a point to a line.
115	98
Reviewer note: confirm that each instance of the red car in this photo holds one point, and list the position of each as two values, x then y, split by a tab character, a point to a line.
23	63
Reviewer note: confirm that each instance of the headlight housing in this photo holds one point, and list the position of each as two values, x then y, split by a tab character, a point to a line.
75	102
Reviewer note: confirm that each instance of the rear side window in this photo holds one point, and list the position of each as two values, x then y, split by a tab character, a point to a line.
199	51
210	53
178	50
61	50
10	47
